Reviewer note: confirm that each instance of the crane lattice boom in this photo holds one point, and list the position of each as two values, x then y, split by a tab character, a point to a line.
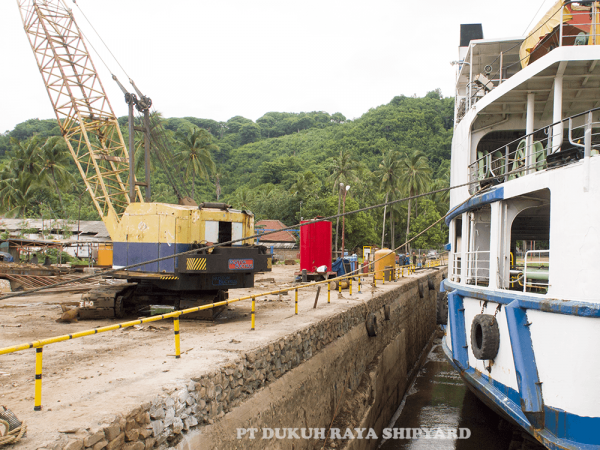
86	118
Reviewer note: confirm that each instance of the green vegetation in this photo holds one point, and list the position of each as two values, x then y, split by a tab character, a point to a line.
283	166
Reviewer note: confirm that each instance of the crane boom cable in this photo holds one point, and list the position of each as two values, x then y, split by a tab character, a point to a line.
101	40
208	247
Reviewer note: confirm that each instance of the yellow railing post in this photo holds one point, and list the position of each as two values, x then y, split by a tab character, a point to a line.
329	292
296	301
253	320
383	277
359	284
374	280
350	286
177	341
37	405
340	286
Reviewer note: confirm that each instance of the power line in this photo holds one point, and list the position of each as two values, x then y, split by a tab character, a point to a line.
194	251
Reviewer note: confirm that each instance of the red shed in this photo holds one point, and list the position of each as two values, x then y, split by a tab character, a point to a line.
315	245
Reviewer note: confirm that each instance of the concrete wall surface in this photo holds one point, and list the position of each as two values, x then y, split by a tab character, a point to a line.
329	374
353	381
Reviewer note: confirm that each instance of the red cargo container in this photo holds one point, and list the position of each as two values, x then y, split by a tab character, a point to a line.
315	245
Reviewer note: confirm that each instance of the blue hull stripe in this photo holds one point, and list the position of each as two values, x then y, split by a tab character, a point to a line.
555	428
569	307
476	202
127	253
563	430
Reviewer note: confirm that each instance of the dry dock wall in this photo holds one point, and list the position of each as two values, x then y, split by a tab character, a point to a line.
330	374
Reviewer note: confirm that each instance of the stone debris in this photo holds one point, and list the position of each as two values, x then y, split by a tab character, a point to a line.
187	405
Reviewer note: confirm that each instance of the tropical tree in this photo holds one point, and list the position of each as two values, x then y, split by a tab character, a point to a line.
54	162
195	154
389	175
414	178
344	169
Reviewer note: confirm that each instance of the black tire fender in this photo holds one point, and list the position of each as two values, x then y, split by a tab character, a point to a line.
442	308
371	323
387	312
485	337
421	291
430	284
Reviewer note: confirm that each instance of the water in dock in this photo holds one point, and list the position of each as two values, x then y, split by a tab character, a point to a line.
439	400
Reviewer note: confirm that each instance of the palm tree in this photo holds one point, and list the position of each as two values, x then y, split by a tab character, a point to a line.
54	160
344	169
389	175
195	155
414	177
242	198
17	192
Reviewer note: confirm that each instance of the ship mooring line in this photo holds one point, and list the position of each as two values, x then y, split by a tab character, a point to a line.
292	227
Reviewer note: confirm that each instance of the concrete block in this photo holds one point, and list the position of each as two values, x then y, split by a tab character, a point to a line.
74	444
116	443
111	432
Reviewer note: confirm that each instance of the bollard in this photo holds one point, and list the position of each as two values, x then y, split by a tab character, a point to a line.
296	301
329	292
177	343
37	404
253	320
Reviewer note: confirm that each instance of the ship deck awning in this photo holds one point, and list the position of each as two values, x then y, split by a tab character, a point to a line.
580	92
486	56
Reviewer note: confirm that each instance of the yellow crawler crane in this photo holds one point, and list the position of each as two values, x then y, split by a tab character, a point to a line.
141	231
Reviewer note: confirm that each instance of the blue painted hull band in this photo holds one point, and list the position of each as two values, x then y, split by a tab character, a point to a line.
560	429
127	253
476	202
569	307
563	430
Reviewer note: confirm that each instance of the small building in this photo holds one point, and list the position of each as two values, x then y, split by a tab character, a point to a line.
284	243
30	236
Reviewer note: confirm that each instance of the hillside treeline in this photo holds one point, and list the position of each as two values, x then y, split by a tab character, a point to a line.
284	166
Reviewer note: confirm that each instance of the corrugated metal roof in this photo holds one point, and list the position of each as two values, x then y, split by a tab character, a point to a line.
95	228
271	225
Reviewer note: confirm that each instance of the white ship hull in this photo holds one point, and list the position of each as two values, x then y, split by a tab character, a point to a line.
523	303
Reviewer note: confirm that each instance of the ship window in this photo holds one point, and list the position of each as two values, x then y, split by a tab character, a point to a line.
527	266
476	263
456	249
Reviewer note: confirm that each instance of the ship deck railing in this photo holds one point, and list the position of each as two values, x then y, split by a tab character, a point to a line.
545	148
573	24
476	268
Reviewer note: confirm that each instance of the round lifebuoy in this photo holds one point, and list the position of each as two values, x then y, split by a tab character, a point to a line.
442	308
371	325
485	336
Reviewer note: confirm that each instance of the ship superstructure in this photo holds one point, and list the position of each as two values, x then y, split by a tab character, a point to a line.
523	307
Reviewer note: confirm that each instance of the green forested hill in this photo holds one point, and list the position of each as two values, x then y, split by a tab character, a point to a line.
283	166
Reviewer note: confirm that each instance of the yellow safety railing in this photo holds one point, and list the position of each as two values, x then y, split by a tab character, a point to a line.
39	344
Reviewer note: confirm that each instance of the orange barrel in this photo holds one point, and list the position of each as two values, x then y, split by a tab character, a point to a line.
384	257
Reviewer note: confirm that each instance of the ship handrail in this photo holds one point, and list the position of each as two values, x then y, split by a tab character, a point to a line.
534	160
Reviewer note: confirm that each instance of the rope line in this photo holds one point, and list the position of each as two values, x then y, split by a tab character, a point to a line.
222	244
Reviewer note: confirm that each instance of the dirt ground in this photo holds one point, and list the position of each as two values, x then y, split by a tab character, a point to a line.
87	380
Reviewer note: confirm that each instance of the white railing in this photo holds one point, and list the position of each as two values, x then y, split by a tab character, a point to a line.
537	275
538	151
478	268
456	274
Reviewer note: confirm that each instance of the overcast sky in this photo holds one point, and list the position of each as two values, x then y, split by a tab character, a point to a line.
224	58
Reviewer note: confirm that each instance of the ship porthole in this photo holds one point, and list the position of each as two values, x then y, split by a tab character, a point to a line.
485	336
